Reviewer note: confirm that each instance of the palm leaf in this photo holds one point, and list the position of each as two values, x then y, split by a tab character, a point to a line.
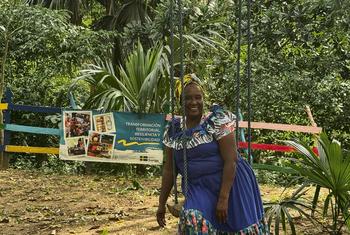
290	221
279	211
141	85
277	219
330	170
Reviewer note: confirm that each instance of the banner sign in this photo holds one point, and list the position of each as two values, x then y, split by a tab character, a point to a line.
112	137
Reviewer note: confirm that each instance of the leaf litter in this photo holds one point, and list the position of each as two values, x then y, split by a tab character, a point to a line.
39	203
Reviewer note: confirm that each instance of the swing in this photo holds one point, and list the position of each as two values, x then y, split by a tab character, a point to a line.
176	207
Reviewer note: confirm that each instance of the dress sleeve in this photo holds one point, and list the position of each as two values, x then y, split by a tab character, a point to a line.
221	122
168	137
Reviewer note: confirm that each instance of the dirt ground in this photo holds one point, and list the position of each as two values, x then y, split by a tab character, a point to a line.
38	203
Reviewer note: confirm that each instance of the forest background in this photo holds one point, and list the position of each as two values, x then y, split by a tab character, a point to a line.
114	55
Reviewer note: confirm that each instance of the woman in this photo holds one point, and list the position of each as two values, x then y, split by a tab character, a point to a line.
222	195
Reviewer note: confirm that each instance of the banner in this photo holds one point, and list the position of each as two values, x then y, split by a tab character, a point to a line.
112	137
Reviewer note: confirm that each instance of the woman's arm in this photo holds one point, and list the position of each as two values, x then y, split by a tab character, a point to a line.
167	184
228	152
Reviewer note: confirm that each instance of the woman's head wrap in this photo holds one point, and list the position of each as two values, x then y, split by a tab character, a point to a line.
188	79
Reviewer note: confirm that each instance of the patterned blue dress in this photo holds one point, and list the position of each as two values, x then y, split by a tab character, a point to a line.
205	168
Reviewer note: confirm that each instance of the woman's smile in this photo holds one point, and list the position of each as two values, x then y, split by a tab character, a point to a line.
193	102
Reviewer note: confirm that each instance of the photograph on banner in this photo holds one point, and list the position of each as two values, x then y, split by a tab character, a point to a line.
100	145
76	146
77	123
104	123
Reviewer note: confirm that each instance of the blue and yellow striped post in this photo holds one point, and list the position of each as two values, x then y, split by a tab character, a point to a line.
4	158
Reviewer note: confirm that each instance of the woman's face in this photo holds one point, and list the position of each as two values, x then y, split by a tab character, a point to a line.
193	101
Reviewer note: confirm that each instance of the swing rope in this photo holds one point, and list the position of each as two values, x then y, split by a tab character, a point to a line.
238	76
172	77
172	94
249	69
238	81
238	68
184	127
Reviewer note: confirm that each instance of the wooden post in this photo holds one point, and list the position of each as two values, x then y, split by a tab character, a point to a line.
318	188
309	114
4	157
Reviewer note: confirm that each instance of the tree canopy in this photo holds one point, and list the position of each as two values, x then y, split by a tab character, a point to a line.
300	52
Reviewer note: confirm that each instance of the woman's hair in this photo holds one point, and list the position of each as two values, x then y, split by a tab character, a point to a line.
188	79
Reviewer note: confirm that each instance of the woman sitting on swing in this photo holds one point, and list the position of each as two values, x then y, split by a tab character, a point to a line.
222	196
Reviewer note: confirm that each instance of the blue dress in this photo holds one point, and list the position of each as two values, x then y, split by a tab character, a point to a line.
205	168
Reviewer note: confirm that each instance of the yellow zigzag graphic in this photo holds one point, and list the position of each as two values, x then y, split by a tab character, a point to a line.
123	142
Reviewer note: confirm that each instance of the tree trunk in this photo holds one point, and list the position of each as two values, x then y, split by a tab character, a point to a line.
110	5
74	11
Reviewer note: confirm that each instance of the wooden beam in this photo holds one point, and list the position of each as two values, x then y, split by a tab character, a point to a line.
31	129
281	127
3	106
28	149
275	126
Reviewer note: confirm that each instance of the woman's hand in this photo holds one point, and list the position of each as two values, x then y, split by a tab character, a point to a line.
222	210
161	216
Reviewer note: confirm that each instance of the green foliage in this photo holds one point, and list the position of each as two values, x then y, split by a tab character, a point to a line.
203	32
42	47
44	53
51	165
299	57
104	232
136	185
330	170
140	86
74	8
274	172
280	211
